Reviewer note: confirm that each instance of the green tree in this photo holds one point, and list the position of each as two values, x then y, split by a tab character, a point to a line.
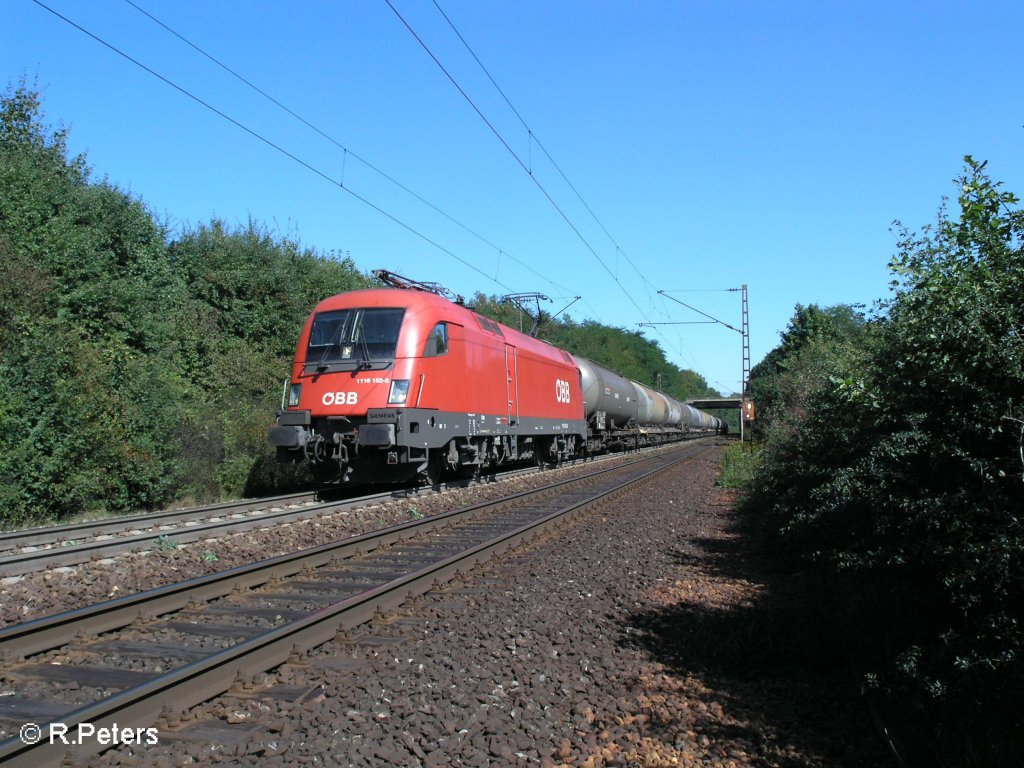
85	276
817	344
134	369
899	487
248	295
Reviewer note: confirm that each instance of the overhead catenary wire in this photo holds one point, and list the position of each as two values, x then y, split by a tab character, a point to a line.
347	152
280	149
700	312
327	177
273	145
388	177
534	139
679	336
514	154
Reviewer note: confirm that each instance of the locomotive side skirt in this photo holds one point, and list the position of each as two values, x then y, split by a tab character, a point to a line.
423	428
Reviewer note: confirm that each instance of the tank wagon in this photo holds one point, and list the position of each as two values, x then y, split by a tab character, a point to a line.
622	413
393	384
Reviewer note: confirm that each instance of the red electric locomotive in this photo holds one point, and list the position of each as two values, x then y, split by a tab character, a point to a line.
393	383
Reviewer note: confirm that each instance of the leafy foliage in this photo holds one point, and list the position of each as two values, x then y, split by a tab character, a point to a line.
897	477
817	344
85	381
739	465
234	335
133	370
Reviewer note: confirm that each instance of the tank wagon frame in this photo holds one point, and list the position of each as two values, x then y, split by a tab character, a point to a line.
393	384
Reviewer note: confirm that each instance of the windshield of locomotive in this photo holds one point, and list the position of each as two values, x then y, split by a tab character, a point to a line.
357	335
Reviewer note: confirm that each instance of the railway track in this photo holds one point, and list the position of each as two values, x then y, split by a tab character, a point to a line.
65	545
33	550
49	536
37	549
125	661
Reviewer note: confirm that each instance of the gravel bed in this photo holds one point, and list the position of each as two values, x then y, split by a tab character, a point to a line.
630	639
64	588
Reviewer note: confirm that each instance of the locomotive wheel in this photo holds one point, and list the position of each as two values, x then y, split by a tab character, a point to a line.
432	474
541	451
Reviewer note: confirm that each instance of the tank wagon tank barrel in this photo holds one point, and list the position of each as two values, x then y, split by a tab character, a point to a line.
608	398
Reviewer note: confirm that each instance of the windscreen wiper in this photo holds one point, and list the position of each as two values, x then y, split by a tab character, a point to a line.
365	362
335	340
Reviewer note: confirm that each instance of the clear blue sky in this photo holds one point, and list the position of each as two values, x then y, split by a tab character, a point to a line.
766	143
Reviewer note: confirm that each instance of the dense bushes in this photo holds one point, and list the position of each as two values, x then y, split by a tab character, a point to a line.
739	465
134	370
247	296
86	386
896	477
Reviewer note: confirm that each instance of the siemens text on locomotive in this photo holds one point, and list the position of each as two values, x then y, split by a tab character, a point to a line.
392	384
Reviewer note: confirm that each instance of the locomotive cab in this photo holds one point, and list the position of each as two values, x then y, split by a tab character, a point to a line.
348	377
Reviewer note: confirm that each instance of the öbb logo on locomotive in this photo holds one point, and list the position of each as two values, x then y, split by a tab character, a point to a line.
340	398
563	392
399	383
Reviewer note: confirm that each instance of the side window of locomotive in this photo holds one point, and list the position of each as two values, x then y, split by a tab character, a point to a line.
437	341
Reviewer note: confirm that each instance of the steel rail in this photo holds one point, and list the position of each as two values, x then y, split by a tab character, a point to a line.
46	632
58	535
211	676
219	523
28	562
63	549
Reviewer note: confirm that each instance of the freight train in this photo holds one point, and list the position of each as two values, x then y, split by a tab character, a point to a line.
394	384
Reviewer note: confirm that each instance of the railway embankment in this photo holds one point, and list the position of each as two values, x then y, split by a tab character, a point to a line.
634	637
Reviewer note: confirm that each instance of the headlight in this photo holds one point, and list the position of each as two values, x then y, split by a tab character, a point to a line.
399	392
294	393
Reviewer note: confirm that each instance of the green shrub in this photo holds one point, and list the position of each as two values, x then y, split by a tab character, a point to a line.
134	369
739	465
897	484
